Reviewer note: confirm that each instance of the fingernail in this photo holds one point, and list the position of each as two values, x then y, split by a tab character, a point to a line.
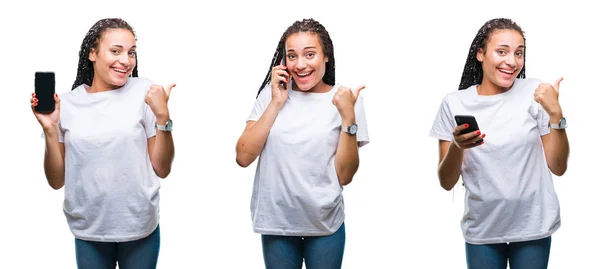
466	125
33	94
478	132
483	136
482	142
56	95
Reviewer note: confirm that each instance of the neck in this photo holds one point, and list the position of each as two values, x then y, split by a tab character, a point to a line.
100	86
321	87
488	88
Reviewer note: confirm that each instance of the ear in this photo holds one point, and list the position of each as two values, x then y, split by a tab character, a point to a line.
480	54
92	55
326	59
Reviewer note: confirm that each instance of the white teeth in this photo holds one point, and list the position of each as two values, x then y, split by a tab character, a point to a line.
120	70
304	74
506	71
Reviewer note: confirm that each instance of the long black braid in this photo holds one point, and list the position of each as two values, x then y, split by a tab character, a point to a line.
306	25
85	69
473	72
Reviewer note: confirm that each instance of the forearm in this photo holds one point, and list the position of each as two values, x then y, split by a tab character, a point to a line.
163	152
557	148
54	164
346	156
252	141
450	167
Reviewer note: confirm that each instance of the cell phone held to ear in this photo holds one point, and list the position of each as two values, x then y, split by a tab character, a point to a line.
45	84
470	120
283	62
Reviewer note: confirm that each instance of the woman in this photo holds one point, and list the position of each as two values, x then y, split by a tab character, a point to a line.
103	146
308	150
511	206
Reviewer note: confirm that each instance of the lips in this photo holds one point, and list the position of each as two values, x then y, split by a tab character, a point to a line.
506	73
303	76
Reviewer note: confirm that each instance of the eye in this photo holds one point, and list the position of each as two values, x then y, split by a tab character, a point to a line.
132	53
501	52
291	56
310	54
519	53
114	51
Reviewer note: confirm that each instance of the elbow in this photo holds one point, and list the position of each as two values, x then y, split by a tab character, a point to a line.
164	173
345	180
242	162
559	170
444	182
56	185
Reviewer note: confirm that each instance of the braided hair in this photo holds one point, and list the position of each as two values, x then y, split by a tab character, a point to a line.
473	72
85	68
312	26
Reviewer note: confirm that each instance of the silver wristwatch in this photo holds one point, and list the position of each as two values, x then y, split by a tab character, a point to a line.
562	124
351	129
168	127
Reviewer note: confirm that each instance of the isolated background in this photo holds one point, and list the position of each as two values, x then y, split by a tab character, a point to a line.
408	55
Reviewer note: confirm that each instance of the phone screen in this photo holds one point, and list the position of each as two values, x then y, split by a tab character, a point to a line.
44	91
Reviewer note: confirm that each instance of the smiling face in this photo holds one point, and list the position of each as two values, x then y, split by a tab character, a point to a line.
306	61
114	58
502	59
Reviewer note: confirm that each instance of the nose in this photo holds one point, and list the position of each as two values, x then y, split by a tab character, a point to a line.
510	60
301	63
124	59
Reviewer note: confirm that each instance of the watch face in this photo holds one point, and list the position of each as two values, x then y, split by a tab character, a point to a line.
353	129
562	123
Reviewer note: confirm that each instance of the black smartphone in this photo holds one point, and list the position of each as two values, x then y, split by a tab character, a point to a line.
44	92
283	62
470	120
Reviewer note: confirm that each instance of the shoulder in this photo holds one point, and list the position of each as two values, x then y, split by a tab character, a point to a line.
140	83
527	85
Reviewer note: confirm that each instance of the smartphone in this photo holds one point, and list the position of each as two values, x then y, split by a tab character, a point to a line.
283	62
471	121
44	91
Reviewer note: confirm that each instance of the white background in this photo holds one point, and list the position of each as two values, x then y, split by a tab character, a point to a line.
409	56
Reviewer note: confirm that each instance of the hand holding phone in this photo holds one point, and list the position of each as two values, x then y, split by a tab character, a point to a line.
45	104
467	133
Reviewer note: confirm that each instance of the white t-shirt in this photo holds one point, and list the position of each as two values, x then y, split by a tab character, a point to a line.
510	194
111	189
296	189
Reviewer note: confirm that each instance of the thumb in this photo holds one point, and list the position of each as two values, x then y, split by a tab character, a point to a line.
356	91
557	84
169	88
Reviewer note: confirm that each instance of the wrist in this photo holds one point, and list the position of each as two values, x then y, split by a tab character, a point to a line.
50	130
277	104
555	116
348	120
162	118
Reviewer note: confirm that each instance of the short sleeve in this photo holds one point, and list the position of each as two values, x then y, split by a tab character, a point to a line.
362	135
149	121
543	120
61	133
444	125
261	103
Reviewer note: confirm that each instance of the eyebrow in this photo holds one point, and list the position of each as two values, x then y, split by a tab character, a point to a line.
120	46
507	46
305	48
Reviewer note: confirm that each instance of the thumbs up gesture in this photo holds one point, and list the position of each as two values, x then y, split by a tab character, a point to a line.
547	96
344	100
157	98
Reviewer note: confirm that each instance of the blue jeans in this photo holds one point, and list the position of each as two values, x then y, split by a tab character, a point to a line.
138	254
529	254
319	252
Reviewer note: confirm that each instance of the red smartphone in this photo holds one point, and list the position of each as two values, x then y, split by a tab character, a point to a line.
45	84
